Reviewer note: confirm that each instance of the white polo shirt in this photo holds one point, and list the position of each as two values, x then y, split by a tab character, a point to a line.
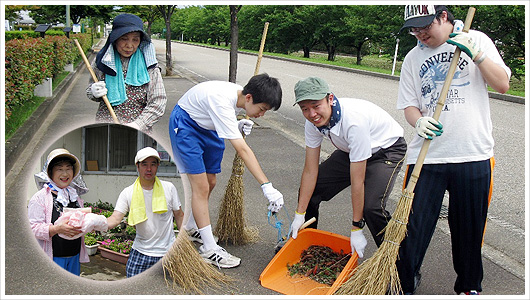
363	129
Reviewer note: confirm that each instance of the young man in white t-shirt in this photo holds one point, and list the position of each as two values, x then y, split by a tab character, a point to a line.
460	156
203	117
370	152
152	205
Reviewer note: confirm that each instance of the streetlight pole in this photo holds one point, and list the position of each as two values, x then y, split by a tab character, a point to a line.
68	16
395	57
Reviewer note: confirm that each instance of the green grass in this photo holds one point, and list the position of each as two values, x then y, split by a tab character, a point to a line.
21	114
59	78
372	63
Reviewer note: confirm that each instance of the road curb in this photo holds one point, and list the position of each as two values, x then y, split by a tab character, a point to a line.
499	96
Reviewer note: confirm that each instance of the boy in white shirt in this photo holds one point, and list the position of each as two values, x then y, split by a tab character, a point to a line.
370	152
203	117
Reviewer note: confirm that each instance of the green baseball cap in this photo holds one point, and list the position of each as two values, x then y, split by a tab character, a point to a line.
311	88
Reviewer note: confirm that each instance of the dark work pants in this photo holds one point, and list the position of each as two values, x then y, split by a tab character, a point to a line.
382	169
469	186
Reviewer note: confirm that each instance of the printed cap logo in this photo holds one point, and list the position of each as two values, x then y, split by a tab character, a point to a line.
414	11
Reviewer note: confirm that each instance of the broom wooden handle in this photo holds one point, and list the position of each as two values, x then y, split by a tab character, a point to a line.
95	78
262	45
260	52
441	102
307	223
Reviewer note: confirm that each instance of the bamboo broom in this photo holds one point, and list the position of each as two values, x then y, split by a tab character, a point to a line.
184	265
95	78
378	275
231	223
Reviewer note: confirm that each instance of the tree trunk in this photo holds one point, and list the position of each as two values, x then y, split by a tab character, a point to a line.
359	56
167	11
169	60
331	52
359	53
306	51
234	37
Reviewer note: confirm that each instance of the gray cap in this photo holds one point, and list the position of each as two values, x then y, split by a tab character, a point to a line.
311	88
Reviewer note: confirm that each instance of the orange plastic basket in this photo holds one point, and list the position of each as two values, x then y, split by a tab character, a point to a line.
276	276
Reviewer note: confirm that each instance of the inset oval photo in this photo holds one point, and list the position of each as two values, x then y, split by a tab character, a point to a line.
104	202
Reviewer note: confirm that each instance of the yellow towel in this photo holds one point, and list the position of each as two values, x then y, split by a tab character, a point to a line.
137	211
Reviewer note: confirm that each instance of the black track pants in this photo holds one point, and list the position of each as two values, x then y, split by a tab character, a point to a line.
381	173
469	186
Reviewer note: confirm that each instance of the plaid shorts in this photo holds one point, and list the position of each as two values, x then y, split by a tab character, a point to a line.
138	262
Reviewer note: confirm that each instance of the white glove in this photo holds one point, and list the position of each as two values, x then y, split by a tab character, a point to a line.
358	242
427	127
299	219
274	196
98	89
464	41
245	126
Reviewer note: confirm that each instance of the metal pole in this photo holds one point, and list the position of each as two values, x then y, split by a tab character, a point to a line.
395	57
68	16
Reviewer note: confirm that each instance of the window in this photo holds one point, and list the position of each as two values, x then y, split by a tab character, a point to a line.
111	148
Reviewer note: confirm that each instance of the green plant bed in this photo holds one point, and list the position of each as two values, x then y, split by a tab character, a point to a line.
20	114
59	78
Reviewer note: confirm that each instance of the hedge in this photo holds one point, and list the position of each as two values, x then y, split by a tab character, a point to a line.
24	34
29	61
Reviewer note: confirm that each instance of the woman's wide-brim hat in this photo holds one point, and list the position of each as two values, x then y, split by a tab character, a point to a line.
126	23
61	153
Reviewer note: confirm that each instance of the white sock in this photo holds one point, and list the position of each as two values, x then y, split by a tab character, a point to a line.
207	238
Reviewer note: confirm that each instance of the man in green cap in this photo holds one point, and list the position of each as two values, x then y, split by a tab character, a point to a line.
370	152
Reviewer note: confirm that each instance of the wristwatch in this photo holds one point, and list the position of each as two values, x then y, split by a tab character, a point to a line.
359	224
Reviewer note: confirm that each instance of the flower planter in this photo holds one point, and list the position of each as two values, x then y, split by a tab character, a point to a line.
92	249
113	255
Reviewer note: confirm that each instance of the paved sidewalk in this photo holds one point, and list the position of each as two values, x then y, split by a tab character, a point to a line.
29	272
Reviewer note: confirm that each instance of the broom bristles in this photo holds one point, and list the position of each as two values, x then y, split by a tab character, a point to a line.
188	270
231	223
378	275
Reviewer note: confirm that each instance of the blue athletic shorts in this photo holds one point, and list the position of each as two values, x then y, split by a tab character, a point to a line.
196	150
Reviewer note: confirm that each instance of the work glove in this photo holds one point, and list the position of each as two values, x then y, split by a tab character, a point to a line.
299	219
274	196
98	89
464	41
245	126
358	242
427	127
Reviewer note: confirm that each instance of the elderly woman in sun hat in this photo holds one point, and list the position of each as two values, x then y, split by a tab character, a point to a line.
129	75
60	240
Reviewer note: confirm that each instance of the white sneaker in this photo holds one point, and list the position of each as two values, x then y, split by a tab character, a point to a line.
195	236
219	257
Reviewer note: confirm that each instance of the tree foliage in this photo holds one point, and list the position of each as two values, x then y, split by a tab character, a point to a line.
55	14
356	30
